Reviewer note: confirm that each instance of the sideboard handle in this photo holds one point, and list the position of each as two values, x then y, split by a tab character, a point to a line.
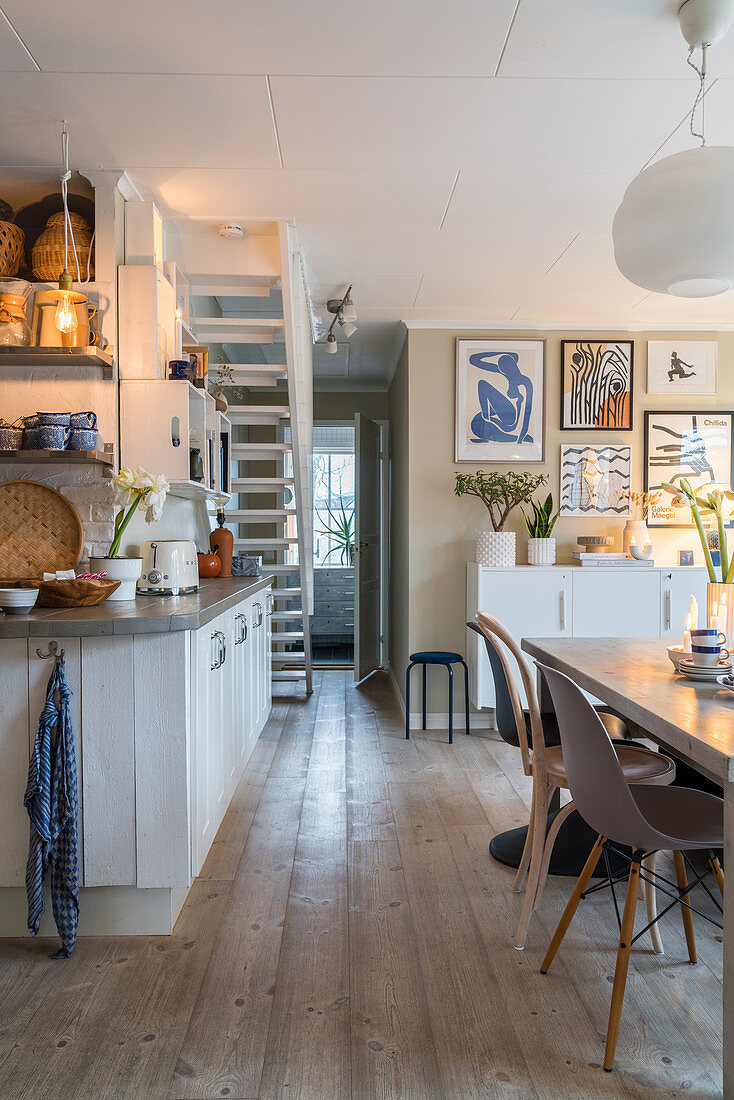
563	608
667	609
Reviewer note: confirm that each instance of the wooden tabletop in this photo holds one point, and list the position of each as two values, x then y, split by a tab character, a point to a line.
635	676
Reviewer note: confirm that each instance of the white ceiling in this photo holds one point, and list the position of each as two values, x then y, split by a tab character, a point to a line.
455	161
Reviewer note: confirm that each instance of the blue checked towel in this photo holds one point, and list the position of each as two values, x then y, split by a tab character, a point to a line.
51	801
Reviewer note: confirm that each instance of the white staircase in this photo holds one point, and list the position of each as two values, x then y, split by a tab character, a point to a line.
270	511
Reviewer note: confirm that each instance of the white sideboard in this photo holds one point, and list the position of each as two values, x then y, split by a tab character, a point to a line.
560	601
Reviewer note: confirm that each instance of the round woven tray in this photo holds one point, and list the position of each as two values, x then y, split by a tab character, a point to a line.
40	531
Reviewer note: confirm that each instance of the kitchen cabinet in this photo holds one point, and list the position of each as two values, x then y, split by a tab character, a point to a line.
571	601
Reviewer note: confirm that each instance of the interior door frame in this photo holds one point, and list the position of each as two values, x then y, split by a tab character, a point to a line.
384	426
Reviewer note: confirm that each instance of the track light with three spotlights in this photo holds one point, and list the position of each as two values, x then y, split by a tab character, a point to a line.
345	313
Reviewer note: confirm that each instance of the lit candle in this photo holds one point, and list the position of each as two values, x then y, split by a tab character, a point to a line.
724	617
693	614
687	636
714	624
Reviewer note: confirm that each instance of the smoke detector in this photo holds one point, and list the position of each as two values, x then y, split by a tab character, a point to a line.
231	231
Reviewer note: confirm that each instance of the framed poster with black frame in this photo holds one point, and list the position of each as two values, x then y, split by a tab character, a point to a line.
500	400
596	385
693	445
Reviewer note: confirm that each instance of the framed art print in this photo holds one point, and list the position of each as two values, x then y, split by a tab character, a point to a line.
681	366
694	445
595	479
499	400
596	385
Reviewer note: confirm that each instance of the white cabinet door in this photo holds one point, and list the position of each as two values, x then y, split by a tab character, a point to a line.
619	603
260	647
244	718
678	587
529	601
224	689
268	659
16	730
202	830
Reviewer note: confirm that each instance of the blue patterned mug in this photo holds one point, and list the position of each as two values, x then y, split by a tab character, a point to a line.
53	437
58	419
83	420
83	439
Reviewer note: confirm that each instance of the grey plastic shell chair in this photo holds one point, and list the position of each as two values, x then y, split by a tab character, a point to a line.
647	818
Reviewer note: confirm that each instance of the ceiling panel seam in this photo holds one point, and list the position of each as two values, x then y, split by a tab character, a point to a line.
448	201
676	128
275	121
20	40
507	38
563	253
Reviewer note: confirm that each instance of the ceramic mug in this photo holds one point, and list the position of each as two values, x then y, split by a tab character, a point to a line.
58	419
53	437
10	437
83	420
30	439
82	439
707	647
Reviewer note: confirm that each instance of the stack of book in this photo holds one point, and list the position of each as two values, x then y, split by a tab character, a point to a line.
608	560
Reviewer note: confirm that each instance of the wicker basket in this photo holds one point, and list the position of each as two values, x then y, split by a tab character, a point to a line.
48	251
12	242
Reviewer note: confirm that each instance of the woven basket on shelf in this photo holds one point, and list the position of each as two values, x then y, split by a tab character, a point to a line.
48	251
12	241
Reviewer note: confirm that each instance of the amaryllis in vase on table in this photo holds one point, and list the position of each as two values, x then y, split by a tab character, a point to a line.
135	490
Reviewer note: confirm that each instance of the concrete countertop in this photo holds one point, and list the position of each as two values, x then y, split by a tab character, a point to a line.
145	614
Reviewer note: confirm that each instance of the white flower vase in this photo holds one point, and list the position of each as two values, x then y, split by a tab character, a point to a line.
125	570
541	551
496	549
635	529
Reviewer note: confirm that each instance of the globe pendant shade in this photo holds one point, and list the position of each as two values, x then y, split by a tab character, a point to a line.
674	229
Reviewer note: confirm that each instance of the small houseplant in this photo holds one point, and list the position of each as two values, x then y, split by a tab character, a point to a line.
134	490
340	530
707	502
541	544
500	493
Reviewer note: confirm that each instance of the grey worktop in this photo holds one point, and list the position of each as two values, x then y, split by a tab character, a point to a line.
143	615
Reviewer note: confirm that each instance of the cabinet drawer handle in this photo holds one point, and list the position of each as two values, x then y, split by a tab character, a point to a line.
259	620
223	643
667	609
562	608
216	659
271	602
244	628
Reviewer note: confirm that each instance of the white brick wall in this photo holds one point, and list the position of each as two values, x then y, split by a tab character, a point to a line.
88	488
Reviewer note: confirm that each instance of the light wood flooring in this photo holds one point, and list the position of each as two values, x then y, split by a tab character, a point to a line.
351	937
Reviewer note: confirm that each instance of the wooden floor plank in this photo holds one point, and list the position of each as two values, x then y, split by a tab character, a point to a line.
307	1053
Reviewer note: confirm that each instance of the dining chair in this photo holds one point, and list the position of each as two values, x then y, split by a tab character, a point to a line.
545	765
648	818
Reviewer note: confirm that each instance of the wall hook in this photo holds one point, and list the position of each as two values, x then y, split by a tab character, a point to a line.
52	652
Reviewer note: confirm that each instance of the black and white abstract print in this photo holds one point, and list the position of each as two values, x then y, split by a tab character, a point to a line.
595	480
596	384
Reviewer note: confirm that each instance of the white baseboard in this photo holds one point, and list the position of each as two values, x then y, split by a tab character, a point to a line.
435	720
103	911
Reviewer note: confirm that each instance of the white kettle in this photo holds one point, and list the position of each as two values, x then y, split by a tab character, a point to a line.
170	568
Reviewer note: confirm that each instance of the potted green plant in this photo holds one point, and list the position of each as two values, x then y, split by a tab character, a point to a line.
134	489
707	502
340	530
500	493
541	546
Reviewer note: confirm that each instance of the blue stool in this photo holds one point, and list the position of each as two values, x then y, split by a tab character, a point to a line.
437	657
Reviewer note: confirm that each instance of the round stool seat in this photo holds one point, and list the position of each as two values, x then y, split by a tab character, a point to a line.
436	657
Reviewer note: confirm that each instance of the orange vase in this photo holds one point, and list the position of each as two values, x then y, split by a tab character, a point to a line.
209	565
222	543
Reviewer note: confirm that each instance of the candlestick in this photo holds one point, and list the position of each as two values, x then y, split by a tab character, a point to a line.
693	614
687	636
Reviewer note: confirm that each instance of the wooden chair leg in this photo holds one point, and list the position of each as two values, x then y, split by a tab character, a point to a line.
651	904
541	797
686	914
572	904
525	858
717	872
620	970
550	840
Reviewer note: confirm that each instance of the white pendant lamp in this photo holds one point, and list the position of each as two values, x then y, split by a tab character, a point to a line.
331	346
673	232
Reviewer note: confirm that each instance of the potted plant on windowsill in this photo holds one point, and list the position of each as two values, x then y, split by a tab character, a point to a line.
134	489
500	493
712	501
541	546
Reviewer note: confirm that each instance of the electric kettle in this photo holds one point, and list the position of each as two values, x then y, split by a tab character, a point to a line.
170	568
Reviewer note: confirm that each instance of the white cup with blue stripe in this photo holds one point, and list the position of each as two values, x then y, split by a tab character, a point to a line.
707	647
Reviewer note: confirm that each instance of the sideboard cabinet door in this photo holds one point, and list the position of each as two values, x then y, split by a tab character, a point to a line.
616	603
530	602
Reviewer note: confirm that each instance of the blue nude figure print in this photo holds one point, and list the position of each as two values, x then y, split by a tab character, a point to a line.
505	403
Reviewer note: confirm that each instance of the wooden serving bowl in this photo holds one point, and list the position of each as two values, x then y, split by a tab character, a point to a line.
76	593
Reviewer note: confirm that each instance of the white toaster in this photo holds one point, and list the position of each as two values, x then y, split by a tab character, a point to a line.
170	568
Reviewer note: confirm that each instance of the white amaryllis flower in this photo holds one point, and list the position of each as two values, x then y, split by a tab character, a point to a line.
124	483
154	498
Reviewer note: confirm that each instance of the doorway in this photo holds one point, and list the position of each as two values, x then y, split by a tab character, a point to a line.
332	623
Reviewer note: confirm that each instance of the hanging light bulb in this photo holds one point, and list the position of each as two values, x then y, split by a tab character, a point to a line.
65	318
331	344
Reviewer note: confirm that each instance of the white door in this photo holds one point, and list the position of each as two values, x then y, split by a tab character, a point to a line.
201	763
367	555
625	604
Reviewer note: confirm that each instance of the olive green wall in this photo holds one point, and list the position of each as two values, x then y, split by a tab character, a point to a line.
343	404
442	528
398	617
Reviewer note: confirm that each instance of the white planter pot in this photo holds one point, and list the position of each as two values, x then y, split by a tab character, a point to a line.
496	549
126	570
541	551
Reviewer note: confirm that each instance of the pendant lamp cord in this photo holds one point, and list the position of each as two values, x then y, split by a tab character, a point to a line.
699	100
68	228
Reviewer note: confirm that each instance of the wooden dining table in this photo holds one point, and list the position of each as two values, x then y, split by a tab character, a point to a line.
694	721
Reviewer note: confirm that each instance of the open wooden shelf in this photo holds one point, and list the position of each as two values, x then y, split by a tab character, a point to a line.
75	458
58	357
